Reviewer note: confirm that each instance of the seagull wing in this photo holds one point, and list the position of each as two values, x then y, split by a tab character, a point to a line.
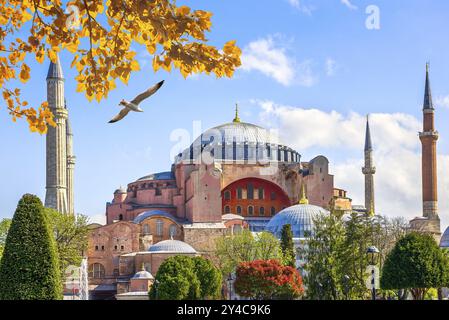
147	93
121	115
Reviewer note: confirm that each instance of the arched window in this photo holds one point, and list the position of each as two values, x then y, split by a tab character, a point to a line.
273	211
273	195
250	210
262	211
239	193
173	230
146	229
227	195
96	271
227	209
261	193
250	191
239	210
120	217
159	228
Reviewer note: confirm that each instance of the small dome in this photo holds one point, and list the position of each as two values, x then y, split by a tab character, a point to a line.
444	242
158	176
172	246
143	275
300	217
120	190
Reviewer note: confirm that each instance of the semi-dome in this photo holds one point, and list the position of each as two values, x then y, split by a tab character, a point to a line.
147	214
444	242
171	246
299	216
240	141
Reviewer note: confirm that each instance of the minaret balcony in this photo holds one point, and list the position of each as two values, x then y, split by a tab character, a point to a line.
432	134
369	170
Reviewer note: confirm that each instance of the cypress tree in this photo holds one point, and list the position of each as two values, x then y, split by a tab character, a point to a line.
287	246
29	269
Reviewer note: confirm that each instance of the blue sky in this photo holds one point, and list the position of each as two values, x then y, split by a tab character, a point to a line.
314	61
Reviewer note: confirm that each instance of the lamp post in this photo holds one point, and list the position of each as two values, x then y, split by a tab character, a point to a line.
372	253
156	282
229	280
346	279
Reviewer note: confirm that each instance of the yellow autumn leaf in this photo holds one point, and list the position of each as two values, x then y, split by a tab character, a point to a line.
24	75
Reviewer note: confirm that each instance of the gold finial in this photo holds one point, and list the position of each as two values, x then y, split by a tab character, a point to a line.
236	119
143	266
303	199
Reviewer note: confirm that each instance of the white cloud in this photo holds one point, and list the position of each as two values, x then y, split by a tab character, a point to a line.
348	4
270	58
442	101
331	67
397	153
300	6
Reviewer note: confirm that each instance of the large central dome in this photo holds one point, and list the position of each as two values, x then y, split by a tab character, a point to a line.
239	141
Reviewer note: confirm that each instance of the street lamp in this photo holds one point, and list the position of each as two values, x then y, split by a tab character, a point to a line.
230	279
346	279
372	253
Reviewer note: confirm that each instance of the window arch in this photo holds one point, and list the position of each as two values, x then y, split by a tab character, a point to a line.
120	217
273	211
250	210
96	271
239	210
159	228
227	195
173	230
227	209
262	211
146	229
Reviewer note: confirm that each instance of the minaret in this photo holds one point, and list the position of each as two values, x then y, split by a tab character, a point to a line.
430	222
429	138
369	170
70	169
56	195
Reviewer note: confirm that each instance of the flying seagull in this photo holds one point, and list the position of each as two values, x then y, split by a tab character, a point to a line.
134	104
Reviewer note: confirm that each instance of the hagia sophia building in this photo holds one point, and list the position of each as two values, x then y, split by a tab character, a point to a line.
235	175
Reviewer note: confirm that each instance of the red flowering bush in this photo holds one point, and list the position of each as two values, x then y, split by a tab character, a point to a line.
268	279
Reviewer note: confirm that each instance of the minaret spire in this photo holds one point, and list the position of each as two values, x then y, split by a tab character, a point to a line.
369	170
428	103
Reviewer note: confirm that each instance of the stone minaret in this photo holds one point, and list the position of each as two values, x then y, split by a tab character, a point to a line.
369	170
430	222
56	194
70	170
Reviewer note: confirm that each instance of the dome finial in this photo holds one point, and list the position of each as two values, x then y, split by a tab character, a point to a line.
143	266
236	119
303	199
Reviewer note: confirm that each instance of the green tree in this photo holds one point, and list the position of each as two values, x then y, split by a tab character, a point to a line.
287	246
4	227
29	268
176	280
416	263
209	276
244	247
324	256
71	235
